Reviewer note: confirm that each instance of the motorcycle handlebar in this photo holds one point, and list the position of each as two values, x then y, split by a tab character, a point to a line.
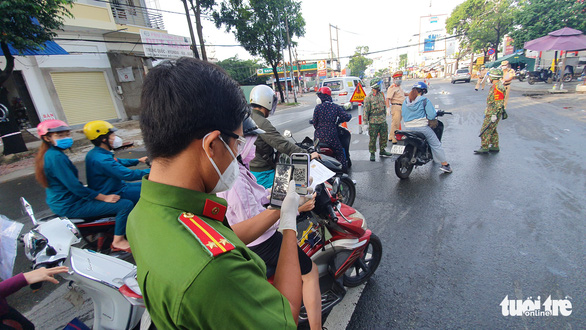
332	213
441	113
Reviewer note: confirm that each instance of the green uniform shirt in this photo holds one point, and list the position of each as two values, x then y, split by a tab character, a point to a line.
183	285
375	109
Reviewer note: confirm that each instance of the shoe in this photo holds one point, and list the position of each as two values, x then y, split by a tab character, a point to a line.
476	89
446	168
372	159
385	153
494	149
115	249
481	151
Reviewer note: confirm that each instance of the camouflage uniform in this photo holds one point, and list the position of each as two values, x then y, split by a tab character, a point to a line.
495	103
375	116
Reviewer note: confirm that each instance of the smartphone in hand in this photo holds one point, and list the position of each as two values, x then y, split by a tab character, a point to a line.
300	162
283	174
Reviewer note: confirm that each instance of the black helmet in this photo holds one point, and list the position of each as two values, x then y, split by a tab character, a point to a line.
250	128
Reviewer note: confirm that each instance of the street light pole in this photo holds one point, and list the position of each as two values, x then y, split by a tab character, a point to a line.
193	47
284	64
290	59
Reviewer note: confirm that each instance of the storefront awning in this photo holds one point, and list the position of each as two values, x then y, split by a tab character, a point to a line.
48	48
513	59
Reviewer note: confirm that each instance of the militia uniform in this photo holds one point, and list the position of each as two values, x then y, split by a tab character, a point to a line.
193	270
396	96
495	106
375	116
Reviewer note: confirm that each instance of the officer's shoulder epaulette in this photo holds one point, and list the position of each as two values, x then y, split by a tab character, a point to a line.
212	241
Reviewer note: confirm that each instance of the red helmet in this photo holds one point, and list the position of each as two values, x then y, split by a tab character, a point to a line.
325	90
50	126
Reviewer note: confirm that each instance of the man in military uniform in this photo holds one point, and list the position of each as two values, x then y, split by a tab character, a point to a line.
194	272
374	116
394	101
508	75
494	111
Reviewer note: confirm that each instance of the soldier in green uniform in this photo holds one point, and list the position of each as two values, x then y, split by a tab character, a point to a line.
375	117
495	106
194	272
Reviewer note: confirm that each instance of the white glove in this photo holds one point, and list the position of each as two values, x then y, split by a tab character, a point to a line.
388	111
289	209
492	118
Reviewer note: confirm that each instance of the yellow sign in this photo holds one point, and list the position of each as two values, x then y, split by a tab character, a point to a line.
480	60
358	95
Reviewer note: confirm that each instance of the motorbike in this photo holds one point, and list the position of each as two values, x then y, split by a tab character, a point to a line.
345	136
347	191
336	238
540	75
412	149
521	74
109	281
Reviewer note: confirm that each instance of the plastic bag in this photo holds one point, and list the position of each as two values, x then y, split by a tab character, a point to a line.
9	231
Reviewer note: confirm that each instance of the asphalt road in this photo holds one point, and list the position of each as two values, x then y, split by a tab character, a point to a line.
454	245
507	224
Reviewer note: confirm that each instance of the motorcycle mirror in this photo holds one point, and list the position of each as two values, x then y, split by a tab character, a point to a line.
315	142
27	209
335	186
348	106
287	133
34	242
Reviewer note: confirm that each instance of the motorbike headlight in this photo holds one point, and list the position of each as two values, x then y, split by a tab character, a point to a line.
34	242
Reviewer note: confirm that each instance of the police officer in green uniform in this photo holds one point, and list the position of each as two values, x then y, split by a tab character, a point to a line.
375	117
495	110
194	272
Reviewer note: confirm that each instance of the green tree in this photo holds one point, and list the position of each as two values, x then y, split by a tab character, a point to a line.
200	7
19	28
482	24
358	63
243	71
403	61
537	18
259	27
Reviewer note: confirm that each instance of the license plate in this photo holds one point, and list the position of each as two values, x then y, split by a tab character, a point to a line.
397	149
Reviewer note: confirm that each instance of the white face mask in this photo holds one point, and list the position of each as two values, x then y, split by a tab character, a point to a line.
230	175
117	142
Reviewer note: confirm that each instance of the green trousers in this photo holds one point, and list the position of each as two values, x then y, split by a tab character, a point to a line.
490	136
378	130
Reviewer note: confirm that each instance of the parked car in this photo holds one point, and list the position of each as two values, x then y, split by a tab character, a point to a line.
461	75
342	88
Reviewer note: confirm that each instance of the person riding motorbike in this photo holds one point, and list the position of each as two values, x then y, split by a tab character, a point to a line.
66	196
105	173
326	118
264	103
257	226
418	114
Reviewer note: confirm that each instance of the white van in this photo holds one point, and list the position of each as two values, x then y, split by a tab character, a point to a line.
342	88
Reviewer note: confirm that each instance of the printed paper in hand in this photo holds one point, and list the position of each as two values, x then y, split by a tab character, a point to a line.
319	173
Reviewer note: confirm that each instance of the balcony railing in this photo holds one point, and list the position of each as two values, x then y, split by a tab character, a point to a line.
126	12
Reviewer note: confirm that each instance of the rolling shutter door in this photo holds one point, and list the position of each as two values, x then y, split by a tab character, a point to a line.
84	96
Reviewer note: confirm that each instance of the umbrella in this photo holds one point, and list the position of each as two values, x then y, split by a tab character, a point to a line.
566	39
563	39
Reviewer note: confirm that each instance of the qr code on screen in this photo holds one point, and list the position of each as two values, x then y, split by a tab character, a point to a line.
300	176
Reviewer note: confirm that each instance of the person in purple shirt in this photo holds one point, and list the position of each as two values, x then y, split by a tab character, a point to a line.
10	318
257	226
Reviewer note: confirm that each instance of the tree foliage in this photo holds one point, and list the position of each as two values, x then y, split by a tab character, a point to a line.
358	63
27	25
243	71
482	24
259	26
537	18
403	61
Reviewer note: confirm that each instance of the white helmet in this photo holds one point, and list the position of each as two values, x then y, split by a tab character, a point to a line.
264	96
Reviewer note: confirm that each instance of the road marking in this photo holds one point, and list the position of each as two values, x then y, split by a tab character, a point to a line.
341	314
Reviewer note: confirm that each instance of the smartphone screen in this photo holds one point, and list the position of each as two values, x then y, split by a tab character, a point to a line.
300	163
283	174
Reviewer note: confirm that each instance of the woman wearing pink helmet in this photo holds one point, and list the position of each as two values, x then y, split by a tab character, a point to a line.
68	197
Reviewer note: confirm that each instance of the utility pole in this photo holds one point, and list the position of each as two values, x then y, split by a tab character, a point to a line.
332	46
290	59
284	64
331	50
193	47
299	71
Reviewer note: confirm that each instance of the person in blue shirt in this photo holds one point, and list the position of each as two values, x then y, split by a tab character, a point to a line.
417	112
105	173
68	197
